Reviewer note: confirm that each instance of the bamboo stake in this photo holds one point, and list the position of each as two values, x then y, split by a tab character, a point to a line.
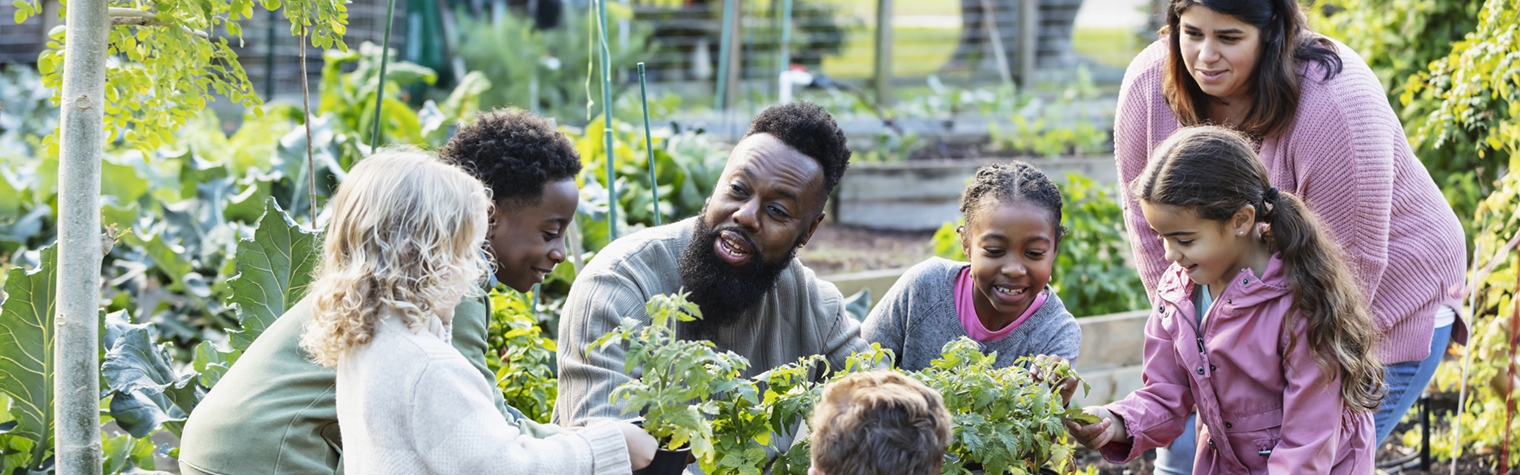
612	201
1456	431
76	379
385	56
654	185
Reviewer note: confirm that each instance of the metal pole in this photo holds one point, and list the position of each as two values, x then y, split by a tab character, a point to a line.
989	21
385	56
883	77
612	201
786	36
1425	432
1029	38
654	185
720	97
76	381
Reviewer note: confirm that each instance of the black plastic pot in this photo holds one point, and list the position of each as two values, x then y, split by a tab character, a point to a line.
666	462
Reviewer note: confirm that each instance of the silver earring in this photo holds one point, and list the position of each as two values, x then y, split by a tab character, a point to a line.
1240	233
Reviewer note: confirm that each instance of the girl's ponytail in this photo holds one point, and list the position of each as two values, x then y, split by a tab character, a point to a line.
1214	172
1326	295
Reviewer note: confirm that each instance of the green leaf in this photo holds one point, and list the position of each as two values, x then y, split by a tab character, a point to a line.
10	198
26	350
121	182
273	271
212	363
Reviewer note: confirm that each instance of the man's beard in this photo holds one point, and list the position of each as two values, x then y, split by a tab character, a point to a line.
723	291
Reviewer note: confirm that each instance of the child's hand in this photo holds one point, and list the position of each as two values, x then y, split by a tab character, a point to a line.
1095	436
1067	386
641	446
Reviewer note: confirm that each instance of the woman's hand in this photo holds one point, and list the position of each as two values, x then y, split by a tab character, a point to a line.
1110	428
641	446
1067	387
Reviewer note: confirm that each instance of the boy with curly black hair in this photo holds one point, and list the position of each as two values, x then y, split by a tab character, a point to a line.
530	167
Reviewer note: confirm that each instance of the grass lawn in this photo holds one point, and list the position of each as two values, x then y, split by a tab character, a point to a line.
1107	46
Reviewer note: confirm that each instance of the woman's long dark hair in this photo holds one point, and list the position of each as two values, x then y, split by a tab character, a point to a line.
1213	172
1286	42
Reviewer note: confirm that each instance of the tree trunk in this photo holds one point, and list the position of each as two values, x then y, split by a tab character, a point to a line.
77	378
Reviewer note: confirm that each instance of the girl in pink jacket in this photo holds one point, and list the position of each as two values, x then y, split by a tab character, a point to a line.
1257	322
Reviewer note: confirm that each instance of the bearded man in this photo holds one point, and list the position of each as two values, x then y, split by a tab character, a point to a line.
737	258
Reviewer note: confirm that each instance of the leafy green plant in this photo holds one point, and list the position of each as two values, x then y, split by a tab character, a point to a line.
1085	274
348	100
1006	419
1490	348
1475	94
547	66
1050	133
182	58
688	165
524	357
680	381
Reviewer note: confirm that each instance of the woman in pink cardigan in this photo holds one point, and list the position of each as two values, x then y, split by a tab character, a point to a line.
1323	128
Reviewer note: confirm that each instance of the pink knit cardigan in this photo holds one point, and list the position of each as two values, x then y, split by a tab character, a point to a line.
1346	155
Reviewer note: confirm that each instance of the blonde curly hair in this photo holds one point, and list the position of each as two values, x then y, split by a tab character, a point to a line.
404	237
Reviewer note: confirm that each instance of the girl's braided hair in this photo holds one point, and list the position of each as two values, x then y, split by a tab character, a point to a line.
1011	182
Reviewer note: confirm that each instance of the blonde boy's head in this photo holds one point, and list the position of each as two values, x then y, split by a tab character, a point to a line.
879	422
405	236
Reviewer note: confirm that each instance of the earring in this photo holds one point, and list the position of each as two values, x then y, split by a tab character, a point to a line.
1240	233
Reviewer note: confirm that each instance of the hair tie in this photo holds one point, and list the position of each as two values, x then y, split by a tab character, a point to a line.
1270	196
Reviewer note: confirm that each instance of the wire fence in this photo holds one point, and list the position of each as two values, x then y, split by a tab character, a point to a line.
957	42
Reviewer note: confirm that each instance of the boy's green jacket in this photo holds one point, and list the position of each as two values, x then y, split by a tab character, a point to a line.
275	411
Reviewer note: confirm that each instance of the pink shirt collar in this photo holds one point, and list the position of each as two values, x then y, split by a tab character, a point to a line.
965	308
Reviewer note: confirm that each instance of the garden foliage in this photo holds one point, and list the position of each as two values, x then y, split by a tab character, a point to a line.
169	72
1476	93
523	358
1089	275
1006	420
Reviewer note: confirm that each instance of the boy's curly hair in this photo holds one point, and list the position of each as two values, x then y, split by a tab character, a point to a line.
514	153
880	422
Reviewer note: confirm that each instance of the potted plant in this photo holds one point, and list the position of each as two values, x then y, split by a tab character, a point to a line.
1007	420
755	428
677	381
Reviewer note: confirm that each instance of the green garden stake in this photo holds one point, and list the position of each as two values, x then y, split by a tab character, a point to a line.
612	197
385	55
786	36
723	41
654	186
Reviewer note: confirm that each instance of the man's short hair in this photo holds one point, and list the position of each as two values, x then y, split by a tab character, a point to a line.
880	422
514	153
810	130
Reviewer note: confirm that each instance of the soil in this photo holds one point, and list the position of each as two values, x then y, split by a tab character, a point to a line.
1442	404
839	249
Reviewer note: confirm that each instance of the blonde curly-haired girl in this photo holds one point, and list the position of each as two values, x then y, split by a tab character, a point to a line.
403	246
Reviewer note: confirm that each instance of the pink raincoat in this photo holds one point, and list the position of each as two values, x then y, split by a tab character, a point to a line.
1260	409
